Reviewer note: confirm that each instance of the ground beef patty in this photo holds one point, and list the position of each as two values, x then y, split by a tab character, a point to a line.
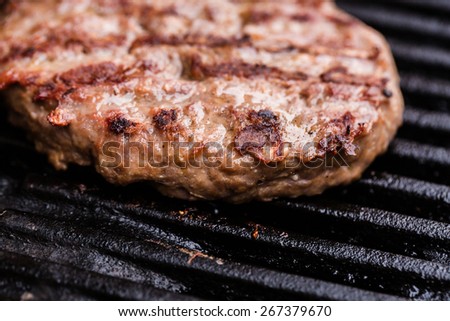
233	100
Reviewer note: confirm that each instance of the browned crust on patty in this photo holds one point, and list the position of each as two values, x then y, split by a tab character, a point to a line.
260	136
277	85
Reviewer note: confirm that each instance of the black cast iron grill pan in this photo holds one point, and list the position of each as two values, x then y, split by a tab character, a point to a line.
386	237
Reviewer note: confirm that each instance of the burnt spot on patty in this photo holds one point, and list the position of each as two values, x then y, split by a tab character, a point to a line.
118	124
339	134
341	20
334	74
340	75
387	93
58	38
193	40
45	91
199	70
260	16
92	74
68	82
52	91
261	137
45	96
164	119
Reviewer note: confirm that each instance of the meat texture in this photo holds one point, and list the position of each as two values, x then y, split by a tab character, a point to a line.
235	100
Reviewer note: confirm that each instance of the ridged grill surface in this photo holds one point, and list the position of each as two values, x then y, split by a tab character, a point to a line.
72	236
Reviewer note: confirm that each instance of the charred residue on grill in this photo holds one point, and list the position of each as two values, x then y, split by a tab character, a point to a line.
260	135
118	124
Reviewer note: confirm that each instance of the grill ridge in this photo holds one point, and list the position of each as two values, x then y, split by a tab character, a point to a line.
394	19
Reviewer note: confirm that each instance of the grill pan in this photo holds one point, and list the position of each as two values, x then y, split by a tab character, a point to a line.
71	236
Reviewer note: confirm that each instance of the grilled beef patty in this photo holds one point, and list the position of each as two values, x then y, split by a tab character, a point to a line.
232	100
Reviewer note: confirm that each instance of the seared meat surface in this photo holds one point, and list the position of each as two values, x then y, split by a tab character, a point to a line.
233	100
